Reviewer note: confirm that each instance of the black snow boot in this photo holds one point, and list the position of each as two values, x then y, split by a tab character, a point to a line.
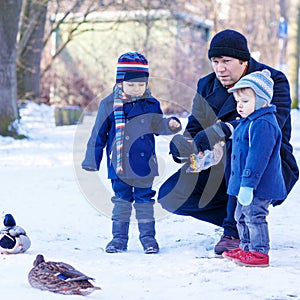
146	224
120	237
121	217
147	237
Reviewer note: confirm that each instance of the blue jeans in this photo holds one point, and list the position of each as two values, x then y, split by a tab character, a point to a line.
252	225
134	190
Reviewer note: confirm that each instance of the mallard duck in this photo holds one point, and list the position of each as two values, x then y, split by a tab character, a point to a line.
13	238
59	277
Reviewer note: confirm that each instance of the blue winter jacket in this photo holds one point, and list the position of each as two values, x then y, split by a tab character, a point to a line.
255	157
213	103
144	119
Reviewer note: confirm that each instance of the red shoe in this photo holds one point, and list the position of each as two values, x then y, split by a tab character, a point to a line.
233	254
253	259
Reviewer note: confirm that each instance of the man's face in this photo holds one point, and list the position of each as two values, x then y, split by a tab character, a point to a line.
228	69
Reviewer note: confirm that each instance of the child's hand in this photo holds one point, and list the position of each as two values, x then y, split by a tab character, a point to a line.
174	124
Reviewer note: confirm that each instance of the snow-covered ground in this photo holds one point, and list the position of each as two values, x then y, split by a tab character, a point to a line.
65	212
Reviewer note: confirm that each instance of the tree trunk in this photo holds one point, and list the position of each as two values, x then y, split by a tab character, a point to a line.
30	48
295	103
9	20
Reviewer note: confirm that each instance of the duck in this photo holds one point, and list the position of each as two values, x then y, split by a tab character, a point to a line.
59	277
13	238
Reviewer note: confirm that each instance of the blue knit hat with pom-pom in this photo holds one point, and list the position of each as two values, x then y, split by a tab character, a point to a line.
261	83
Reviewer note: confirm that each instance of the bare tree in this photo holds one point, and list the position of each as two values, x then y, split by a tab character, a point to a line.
61	12
30	48
33	38
258	20
9	20
296	83
176	39
172	38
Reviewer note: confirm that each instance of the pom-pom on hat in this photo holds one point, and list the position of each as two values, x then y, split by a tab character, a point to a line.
261	83
132	66
229	43
9	221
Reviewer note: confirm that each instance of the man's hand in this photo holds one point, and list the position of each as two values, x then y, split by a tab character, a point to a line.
182	147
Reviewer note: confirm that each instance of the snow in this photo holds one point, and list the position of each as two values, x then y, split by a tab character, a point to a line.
66	213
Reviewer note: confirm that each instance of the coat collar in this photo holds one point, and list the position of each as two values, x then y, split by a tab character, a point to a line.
139	107
262	111
221	100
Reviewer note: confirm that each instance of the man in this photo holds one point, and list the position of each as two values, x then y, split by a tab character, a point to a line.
213	117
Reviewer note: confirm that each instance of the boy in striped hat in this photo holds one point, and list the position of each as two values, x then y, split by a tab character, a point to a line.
126	123
256	178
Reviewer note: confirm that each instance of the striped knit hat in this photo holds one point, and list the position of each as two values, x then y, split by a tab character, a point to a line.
261	83
132	66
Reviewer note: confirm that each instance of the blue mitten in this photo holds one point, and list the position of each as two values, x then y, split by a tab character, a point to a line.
245	195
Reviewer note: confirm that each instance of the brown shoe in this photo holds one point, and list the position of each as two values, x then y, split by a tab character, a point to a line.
226	243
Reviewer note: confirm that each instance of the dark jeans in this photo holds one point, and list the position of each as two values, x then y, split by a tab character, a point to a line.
200	195
134	190
138	191
229	223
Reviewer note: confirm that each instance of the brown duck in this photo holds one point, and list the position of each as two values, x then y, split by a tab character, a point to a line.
59	277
